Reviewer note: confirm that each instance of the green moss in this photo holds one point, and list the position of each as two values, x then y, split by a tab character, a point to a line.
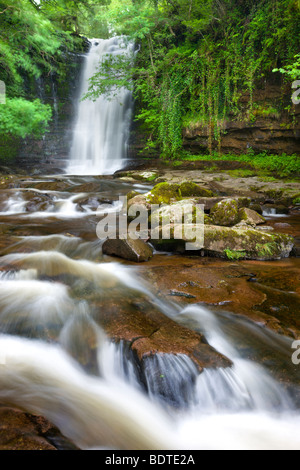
274	193
132	194
164	193
225	213
241	173
189	189
296	199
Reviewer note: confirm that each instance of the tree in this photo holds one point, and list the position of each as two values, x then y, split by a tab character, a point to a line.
196	58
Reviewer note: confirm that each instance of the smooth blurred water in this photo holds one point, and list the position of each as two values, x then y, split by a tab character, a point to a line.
101	132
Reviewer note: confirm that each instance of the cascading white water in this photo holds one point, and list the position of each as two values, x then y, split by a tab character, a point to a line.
101	131
56	293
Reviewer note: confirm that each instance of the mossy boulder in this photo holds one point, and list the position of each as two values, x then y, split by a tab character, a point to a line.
185	211
225	213
251	217
132	194
219	241
243	201
146	176
165	193
188	189
253	244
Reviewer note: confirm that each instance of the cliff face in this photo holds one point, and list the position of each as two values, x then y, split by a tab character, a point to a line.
61	91
273	126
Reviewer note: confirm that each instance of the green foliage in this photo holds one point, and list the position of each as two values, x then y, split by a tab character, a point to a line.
235	255
21	118
291	71
266	250
33	42
197	59
282	165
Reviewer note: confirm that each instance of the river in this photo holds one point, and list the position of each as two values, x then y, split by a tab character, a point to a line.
57	360
66	311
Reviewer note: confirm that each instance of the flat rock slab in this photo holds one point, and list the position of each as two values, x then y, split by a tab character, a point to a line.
149	332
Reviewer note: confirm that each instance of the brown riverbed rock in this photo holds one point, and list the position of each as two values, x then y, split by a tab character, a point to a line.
267	293
149	332
23	431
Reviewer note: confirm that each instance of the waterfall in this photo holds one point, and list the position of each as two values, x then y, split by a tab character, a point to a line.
101	131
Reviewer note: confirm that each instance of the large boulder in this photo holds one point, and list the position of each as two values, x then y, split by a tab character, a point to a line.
225	242
185	211
225	213
168	194
250	217
165	193
129	249
139	201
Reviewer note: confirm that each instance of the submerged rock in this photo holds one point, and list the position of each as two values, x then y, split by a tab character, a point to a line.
129	249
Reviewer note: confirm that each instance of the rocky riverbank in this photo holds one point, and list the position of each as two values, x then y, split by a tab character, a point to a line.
232	212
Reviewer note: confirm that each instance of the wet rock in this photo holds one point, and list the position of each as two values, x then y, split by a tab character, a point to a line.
175	293
225	213
37	202
250	217
50	185
149	332
131	250
23	431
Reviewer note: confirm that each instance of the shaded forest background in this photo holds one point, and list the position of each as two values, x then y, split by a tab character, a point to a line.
200	64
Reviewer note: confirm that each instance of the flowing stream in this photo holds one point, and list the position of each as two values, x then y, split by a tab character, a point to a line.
56	359
58	299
